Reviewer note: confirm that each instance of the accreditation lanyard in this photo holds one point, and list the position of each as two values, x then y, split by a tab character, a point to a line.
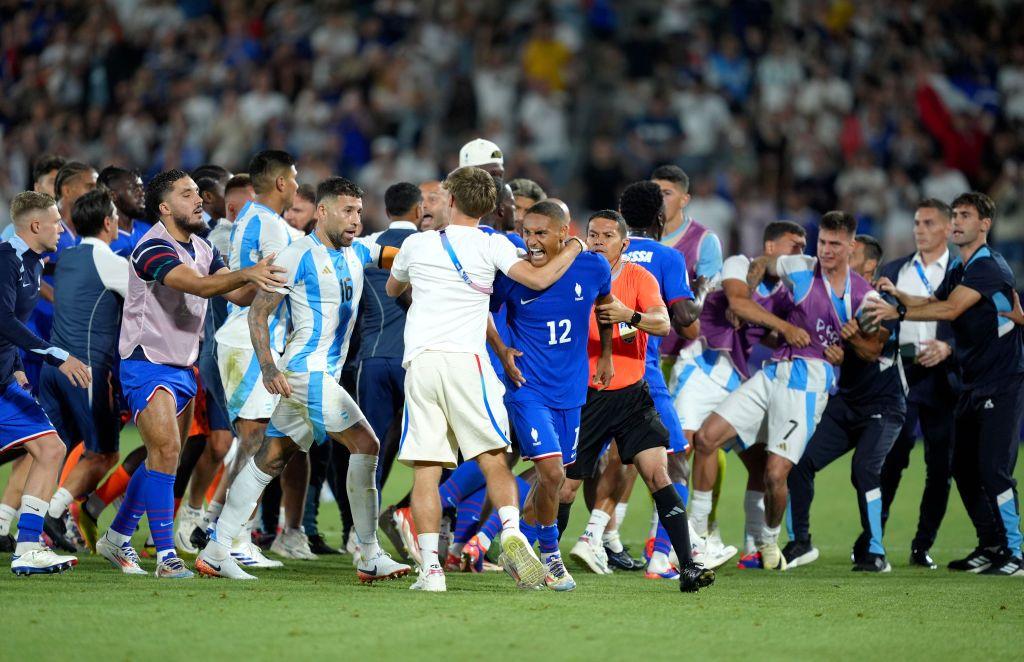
923	277
844	305
458	266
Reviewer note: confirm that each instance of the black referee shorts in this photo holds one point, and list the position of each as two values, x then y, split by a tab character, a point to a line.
627	415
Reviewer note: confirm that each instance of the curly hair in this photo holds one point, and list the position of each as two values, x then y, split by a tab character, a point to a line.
641	204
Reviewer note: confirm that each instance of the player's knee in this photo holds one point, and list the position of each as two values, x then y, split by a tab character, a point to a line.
702	442
48	451
551	475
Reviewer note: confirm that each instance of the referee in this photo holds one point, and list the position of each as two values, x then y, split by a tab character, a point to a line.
625	409
977	297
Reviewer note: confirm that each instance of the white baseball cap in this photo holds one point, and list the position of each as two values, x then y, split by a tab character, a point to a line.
480	152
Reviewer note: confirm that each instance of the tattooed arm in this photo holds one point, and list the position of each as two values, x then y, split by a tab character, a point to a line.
262	307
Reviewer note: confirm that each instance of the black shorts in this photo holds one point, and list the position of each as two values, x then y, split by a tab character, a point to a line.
627	415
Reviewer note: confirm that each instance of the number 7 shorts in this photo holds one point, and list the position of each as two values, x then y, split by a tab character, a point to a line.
780	406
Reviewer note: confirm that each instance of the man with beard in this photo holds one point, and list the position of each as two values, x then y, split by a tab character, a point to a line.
173	272
434	201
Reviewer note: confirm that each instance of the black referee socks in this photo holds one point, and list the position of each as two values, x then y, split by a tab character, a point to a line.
672	514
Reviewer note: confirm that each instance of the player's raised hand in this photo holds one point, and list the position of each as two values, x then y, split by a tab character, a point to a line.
276	382
795	336
77	372
604	372
1016	314
265	274
512	371
834	354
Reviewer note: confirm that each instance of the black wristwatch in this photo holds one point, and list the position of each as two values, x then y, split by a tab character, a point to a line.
901	310
635	319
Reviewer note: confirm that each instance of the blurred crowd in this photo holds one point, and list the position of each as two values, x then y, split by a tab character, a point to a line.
776	109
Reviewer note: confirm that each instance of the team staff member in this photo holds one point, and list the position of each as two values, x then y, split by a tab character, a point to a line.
23	423
624	409
89	287
976	298
926	350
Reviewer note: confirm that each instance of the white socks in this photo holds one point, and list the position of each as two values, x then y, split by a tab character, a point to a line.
509	516
212	514
484	541
59	503
428	549
361	488
753	509
595	527
242	498
8	516
769	535
612	541
700	510
620	513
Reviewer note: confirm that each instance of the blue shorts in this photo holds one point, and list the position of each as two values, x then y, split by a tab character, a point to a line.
22	419
216	403
90	415
677	442
140	380
544	431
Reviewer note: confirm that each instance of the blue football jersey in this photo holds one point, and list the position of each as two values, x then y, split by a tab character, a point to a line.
669	268
551	328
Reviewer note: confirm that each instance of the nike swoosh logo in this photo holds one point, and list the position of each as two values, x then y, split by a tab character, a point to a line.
523	302
215	567
372	573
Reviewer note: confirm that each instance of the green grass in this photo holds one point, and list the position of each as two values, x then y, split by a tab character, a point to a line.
320	609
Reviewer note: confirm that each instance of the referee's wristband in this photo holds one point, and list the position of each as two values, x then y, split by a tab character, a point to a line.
635	319
583	247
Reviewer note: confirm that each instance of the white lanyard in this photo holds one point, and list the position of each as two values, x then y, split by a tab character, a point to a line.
846	313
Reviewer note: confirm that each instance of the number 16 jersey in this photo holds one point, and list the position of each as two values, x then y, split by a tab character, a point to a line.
551	328
322	296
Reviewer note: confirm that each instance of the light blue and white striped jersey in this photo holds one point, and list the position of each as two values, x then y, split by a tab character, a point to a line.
257	232
322	296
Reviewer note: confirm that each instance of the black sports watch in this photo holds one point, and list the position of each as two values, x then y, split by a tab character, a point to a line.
901	310
635	319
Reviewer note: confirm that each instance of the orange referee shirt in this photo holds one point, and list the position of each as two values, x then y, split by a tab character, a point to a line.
638	289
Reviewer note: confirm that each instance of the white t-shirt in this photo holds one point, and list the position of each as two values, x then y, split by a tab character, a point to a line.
447	315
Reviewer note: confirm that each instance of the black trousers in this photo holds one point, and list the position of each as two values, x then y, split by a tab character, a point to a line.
328	462
984	457
870	431
937	426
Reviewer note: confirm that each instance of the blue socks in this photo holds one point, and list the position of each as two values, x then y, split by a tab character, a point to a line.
134	505
159	495
467	518
547	537
464	481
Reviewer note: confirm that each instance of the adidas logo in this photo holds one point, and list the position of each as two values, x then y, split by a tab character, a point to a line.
676	510
327	271
989	405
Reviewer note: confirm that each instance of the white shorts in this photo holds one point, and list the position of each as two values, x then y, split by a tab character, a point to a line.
453	402
695	390
767	410
245	395
318	405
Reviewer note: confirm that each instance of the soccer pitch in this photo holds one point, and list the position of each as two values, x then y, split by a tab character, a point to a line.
319	608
